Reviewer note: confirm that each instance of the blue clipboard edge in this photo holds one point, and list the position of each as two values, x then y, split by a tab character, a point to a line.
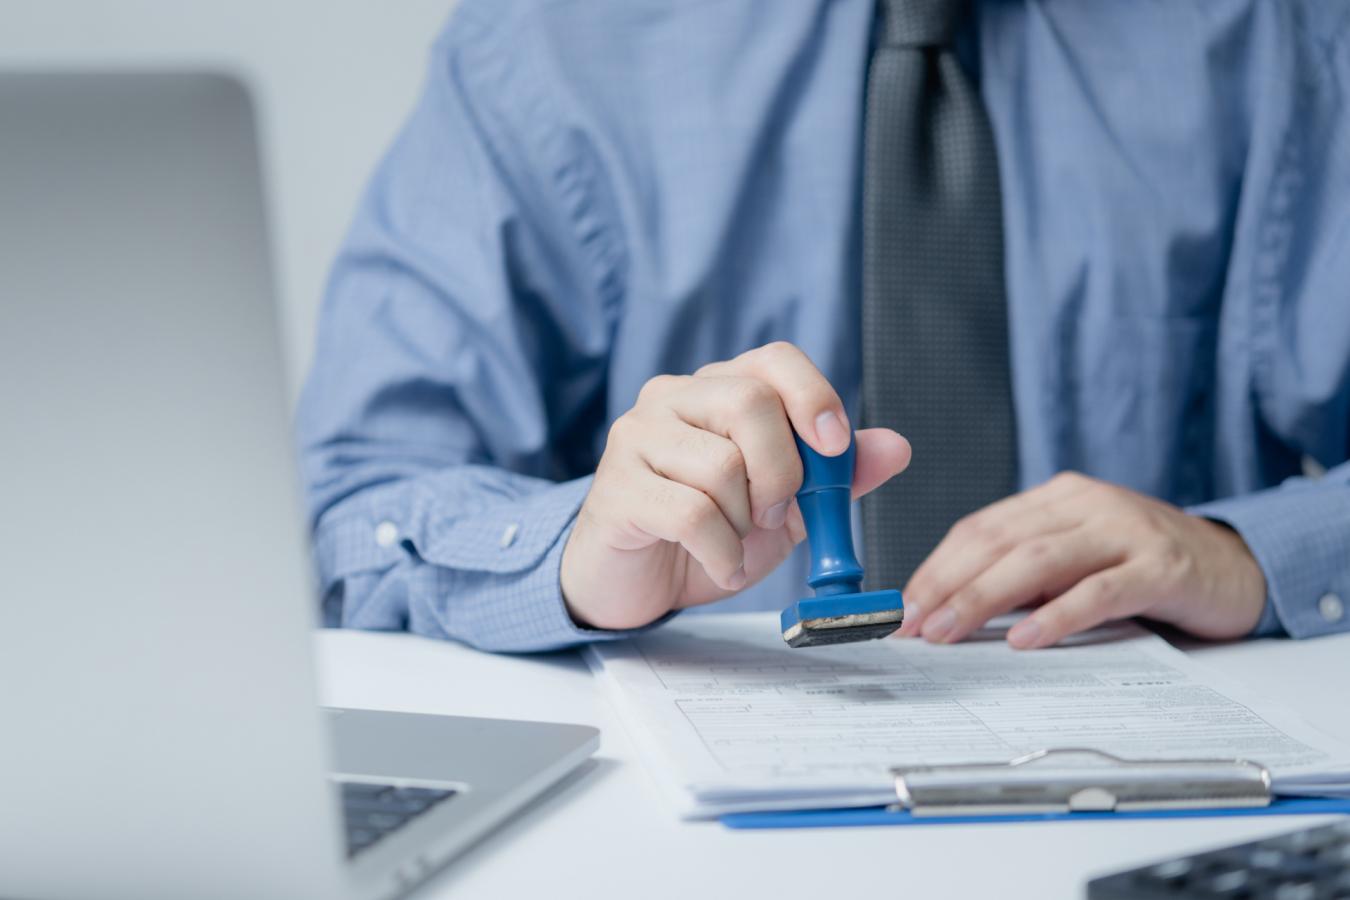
880	815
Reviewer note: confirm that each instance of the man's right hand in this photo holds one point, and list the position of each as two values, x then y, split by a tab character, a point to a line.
693	497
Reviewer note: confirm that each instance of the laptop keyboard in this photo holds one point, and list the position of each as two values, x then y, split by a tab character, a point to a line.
372	811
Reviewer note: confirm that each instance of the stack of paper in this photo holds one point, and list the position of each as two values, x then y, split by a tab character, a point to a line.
730	719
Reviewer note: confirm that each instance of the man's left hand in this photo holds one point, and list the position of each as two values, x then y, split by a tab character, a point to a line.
1087	552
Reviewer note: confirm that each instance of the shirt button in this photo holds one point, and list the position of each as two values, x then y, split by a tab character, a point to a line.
1331	607
509	535
386	533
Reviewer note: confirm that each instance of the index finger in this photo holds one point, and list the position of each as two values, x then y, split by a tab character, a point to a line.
812	406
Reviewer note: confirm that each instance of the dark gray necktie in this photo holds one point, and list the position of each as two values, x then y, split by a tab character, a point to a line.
934	314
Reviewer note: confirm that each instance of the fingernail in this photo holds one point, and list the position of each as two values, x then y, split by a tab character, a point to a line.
737	579
832	432
1025	634
940	625
774	516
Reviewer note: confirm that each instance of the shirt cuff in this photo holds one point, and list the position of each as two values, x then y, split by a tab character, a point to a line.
1300	536
473	555
531	615
498	573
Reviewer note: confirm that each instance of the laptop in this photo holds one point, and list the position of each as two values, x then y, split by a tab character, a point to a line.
160	734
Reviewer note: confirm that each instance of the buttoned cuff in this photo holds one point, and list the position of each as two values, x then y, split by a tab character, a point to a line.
472	555
524	612
497	576
1299	534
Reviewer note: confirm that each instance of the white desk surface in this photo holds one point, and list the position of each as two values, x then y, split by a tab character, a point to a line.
605	832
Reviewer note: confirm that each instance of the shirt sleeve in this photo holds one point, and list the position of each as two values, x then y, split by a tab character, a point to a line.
1299	533
447	427
469	554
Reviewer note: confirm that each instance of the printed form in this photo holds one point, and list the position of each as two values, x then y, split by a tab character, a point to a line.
728	718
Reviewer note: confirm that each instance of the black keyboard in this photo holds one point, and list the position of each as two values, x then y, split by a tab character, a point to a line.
1312	864
374	810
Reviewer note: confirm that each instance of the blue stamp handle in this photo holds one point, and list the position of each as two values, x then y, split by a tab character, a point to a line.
825	498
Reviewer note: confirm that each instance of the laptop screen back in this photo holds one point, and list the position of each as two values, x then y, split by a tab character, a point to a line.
161	734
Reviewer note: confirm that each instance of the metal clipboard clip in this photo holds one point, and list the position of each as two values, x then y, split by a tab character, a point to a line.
1079	780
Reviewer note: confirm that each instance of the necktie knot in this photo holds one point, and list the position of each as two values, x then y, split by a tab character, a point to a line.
921	23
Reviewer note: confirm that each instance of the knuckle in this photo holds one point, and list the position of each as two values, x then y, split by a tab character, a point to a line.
657	385
694	516
783	480
681	443
1054	621
819	396
967	601
930	590
1040	551
663	497
1101	492
751	396
778	352
965	528
1069	479
730	465
976	527
1171	551
1172	557
621	431
1103	591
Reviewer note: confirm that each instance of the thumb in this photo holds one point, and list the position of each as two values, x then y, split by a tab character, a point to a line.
881	455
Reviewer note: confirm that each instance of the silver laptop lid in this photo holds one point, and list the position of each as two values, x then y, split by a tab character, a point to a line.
160	730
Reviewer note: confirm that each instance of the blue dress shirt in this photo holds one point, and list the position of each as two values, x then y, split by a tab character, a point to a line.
591	193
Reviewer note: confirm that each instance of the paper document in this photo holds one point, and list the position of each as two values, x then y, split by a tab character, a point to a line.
728	718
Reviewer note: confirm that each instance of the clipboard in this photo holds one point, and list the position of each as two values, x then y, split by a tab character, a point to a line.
1062	784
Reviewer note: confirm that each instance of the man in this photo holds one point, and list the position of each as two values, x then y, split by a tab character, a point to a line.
622	249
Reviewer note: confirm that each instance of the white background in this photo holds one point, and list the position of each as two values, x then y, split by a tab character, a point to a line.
332	79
